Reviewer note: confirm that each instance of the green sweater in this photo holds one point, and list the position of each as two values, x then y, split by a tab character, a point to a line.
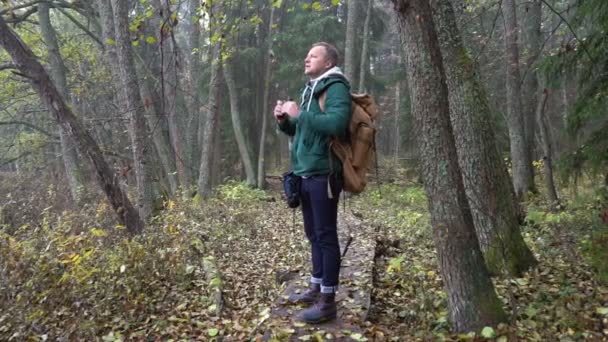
312	129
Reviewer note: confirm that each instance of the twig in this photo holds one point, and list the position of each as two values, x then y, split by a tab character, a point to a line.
81	26
570	28
5	66
27	124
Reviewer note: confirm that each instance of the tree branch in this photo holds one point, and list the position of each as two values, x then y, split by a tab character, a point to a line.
18	7
81	26
27	124
5	66
569	28
8	161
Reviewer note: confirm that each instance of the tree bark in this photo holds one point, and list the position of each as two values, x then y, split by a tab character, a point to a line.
58	75
485	177
261	181
170	56
397	140
530	95
134	108
472	301
545	139
192	77
365	49
28	65
522	179
210	126
351	37
235	114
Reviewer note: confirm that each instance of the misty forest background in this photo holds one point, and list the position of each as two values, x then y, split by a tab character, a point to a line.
140	166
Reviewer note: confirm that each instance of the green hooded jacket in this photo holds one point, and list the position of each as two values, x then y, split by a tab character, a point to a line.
312	129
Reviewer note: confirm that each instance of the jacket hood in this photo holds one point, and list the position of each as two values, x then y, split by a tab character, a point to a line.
319	84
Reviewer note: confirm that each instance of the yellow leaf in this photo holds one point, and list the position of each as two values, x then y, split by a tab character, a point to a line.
98	232
170	204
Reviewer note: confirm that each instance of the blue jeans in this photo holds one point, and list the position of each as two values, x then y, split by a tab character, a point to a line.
320	224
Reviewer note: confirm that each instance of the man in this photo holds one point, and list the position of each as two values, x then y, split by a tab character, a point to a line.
321	172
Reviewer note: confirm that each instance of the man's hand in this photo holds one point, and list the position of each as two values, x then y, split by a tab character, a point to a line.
291	108
279	114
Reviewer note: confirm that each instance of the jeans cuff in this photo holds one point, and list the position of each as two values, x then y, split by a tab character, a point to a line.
329	289
314	280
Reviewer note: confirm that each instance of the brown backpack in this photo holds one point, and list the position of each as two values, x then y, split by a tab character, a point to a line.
358	151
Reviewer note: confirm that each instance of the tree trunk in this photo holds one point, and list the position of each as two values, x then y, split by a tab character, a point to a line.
169	54
134	108
58	75
545	139
28	65
472	301
485	177
364	49
261	182
351	37
210	126
397	140
158	126
156	123
530	94
522	179
235	114
192	77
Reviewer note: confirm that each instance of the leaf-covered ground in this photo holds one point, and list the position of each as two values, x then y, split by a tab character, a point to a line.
74	276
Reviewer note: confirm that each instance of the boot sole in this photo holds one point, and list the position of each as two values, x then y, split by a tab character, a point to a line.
321	320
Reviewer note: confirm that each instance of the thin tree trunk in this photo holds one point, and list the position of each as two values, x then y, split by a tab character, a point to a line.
364	49
170	56
192	77
545	138
210	126
235	114
472	301
485	177
530	95
522	179
351	37
28	64
134	108
158	126
156	123
58	75
261	182
397	140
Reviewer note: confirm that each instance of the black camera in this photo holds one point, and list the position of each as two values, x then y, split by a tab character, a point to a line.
291	186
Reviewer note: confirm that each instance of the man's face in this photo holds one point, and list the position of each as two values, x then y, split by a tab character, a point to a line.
316	63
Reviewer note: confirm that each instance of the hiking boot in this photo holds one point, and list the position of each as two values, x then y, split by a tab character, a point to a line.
324	309
307	297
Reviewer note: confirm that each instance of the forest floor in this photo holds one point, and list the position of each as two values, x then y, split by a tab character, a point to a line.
74	276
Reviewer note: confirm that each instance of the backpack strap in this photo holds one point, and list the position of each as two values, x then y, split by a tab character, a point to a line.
322	98
330	194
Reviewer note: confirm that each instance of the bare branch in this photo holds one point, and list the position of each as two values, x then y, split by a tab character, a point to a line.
5	66
81	26
14	19
18	7
569	28
27	124
8	161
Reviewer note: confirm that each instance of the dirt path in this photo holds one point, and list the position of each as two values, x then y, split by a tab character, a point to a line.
353	298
